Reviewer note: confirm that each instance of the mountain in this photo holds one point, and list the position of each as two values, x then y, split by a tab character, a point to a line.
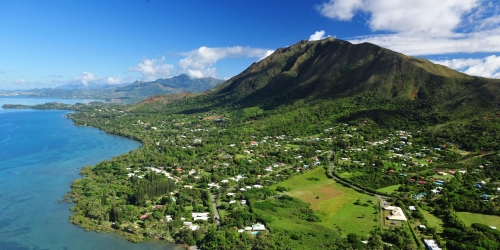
134	92
176	84
89	85
332	68
329	81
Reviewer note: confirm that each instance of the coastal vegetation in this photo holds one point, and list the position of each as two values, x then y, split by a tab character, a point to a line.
303	150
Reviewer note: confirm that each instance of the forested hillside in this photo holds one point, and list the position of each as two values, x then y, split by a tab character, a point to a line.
298	148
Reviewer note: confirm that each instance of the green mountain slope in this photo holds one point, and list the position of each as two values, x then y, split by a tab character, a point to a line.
332	68
327	81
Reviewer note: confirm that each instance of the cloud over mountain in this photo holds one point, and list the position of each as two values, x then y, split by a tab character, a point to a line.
423	27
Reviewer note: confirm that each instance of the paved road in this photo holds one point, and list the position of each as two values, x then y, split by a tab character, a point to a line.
214	208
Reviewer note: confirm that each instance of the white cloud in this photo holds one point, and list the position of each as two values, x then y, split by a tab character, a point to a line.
340	9
403	16
114	80
198	63
318	35
153	69
201	73
486	67
85	78
424	27
268	53
22	80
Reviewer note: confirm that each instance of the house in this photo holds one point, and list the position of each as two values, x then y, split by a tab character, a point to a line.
169	218
477	185
143	217
485	196
396	213
200	216
248	228
421	182
431	245
492	227
412	208
422	227
258	227
243	202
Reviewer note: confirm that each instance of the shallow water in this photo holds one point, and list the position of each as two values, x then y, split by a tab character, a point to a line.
41	153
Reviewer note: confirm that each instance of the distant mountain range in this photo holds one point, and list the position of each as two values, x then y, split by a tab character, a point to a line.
136	91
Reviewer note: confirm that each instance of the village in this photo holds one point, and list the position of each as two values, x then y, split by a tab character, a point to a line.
223	176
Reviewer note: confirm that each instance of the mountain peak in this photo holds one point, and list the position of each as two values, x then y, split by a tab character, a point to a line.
331	68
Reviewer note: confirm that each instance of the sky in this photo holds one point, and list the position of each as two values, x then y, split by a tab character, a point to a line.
45	44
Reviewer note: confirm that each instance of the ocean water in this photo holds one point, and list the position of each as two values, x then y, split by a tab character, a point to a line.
41	153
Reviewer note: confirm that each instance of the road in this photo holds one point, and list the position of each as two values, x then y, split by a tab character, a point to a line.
214	208
381	198
330	171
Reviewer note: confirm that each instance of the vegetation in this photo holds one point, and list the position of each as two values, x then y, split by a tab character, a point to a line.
309	143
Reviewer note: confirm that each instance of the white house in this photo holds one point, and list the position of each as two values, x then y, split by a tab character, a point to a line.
200	216
431	245
396	213
258	227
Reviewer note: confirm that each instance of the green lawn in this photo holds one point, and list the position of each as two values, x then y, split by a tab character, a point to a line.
443	177
389	189
433	221
348	175
489	220
240	156
333	202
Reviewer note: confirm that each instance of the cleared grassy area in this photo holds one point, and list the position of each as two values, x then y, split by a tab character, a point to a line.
334	203
348	175
443	177
389	189
433	221
489	220
240	156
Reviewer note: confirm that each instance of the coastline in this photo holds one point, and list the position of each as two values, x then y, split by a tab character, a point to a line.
52	175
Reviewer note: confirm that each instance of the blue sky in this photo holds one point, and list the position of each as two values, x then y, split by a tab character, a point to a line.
51	43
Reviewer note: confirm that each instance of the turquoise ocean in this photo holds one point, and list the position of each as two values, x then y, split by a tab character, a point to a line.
41	153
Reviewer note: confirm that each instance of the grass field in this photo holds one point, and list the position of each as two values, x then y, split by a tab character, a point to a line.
334	203
348	175
489	220
389	189
433	221
443	177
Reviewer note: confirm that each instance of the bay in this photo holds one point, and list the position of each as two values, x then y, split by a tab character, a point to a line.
41	153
